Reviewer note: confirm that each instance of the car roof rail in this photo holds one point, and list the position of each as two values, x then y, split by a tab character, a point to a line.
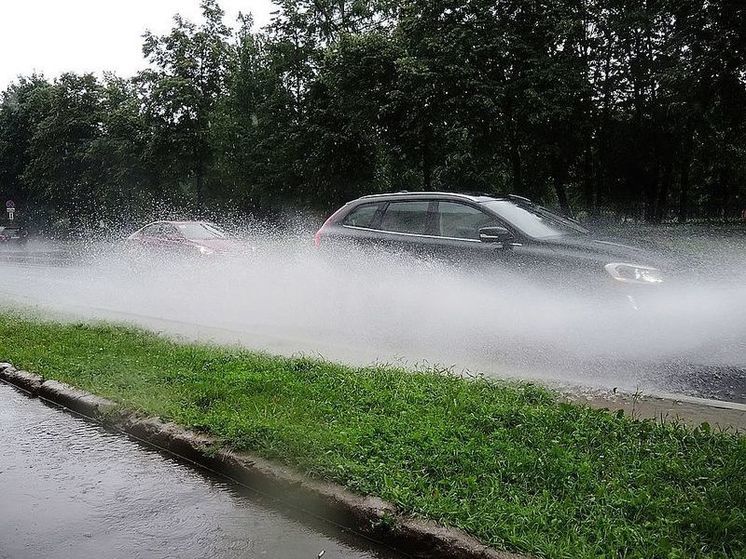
428	193
476	193
521	198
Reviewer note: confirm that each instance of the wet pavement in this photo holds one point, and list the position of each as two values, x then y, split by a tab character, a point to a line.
694	347
69	488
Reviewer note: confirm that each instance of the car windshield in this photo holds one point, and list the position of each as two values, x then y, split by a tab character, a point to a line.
534	221
201	231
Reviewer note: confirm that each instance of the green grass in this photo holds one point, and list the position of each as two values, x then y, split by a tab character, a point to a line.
505	462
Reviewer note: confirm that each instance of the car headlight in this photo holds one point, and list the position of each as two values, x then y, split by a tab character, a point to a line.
204	251
634	273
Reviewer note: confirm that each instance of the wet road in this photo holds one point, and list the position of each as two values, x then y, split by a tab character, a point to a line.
287	302
69	488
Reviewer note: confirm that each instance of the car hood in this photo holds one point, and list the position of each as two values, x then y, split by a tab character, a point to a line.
605	250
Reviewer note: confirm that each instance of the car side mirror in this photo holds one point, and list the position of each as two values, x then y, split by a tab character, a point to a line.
495	235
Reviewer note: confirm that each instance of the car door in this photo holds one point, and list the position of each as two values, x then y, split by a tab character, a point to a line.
457	225
407	226
173	241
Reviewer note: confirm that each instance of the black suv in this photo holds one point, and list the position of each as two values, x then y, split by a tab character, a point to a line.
511	233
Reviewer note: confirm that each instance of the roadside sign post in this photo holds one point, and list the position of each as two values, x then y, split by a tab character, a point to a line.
11	207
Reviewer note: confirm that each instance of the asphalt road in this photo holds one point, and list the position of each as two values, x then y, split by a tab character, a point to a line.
288	305
70	489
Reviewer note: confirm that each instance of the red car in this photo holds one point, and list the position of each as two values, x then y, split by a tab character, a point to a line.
190	238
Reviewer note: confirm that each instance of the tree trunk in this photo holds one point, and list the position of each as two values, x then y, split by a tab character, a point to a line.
650	194
515	163
685	168
589	189
559	189
516	166
199	179
661	205
558	176
427	169
600	175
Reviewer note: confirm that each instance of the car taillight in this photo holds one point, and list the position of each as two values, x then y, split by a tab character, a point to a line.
317	236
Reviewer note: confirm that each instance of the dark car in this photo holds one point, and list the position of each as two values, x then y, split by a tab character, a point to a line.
511	234
185	238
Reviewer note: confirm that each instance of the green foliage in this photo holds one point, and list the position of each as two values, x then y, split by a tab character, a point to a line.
605	107
506	462
187	78
24	105
73	149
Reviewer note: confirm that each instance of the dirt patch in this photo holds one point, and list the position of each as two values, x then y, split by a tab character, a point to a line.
725	416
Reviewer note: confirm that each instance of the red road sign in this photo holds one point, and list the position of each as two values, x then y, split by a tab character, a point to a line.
10	204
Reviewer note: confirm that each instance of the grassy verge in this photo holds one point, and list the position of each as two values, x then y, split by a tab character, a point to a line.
505	462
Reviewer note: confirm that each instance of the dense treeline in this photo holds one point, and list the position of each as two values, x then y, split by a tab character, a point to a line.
626	107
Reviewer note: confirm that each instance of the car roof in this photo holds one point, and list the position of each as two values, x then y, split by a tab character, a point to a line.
472	197
173	222
168	222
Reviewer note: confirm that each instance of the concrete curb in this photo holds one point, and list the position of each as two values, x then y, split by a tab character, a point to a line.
29	382
370	516
695	400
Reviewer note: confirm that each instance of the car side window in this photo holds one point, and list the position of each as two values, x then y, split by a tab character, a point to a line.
406	217
362	216
461	221
170	232
150	230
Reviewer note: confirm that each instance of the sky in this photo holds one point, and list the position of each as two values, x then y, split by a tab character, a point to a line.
55	36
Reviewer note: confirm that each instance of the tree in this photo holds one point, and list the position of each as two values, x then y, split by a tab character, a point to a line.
124	172
187	78
24	105
622	107
59	169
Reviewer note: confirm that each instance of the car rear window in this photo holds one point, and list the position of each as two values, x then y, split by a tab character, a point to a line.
406	217
461	221
362	216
